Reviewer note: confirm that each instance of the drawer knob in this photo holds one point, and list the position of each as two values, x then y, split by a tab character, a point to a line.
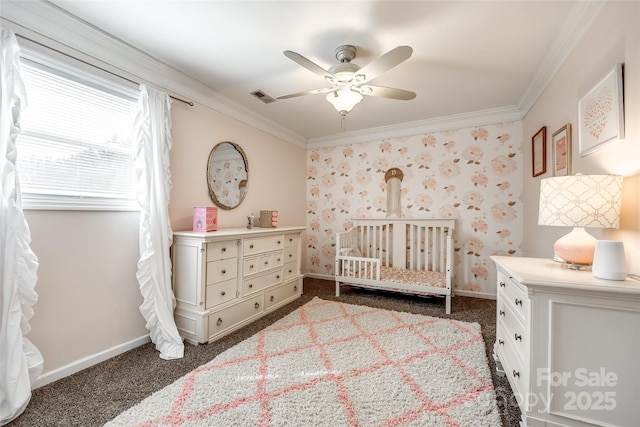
517	337
272	298
278	276
290	239
290	255
279	242
519	302
250	285
502	284
266	263
219	322
224	271
224	249
516	373
502	313
290	271
501	342
257	305
223	293
279	259
251	266
295	288
250	246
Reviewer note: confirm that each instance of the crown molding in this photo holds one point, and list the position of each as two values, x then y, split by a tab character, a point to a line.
46	24
437	124
583	14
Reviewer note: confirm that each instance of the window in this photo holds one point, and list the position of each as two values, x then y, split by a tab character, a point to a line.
75	148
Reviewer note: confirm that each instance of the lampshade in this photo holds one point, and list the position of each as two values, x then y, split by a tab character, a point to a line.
579	201
344	100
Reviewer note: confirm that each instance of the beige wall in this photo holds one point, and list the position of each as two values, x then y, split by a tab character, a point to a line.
88	296
88	301
613	38
276	169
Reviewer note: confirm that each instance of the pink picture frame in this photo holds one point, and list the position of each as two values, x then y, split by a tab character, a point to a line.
561	140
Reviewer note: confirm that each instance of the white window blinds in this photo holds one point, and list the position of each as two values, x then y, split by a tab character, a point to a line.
75	149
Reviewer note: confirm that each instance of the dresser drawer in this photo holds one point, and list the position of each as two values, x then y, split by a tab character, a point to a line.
258	283
290	269
219	271
513	294
513	332
291	240
277	295
290	254
220	292
222	250
515	370
261	263
263	244
220	321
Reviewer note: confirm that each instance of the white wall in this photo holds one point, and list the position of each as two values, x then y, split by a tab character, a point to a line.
613	38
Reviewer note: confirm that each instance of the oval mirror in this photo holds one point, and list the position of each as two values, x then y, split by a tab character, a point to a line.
227	175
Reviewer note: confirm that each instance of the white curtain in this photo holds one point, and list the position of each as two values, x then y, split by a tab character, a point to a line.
20	361
152	132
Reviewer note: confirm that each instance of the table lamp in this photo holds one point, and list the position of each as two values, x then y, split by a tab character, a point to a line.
579	201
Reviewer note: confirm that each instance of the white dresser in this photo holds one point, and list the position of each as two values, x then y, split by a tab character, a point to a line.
228	278
568	343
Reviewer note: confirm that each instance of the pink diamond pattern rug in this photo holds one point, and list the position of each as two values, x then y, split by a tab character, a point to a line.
335	364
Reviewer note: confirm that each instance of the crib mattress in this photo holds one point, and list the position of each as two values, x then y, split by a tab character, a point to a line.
414	277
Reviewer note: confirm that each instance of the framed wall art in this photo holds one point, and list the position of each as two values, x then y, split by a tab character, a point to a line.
539	151
561	140
600	113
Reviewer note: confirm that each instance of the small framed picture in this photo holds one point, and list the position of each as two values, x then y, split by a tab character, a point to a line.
601	113
539	151
562	151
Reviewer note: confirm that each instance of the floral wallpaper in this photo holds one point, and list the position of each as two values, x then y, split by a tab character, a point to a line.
473	175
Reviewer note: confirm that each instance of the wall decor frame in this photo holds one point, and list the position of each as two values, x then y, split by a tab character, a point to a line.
539	152
561	140
601	113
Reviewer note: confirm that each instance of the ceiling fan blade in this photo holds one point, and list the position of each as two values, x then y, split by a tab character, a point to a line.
311	66
384	63
307	92
386	92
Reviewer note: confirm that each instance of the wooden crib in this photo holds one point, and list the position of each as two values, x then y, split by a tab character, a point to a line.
407	255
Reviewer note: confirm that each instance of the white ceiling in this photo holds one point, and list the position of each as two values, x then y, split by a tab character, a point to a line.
469	57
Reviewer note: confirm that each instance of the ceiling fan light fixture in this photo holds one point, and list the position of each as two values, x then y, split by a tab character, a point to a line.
344	100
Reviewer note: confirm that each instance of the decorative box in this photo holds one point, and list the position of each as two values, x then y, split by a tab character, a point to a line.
205	218
268	219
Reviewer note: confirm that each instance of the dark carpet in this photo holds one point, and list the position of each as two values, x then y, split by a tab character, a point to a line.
98	394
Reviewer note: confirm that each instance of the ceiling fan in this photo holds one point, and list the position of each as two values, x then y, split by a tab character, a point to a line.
348	82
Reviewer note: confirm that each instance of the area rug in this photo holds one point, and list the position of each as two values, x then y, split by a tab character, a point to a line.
335	364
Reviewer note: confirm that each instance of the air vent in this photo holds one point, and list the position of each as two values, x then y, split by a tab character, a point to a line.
263	97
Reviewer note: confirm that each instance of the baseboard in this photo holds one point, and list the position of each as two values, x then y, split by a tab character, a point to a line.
320	276
88	361
473	294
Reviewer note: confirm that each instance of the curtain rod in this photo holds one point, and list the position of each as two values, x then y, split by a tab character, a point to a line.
190	103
